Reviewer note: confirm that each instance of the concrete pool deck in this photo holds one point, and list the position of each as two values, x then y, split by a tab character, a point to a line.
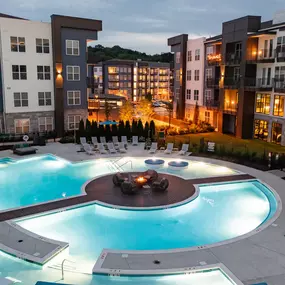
255	258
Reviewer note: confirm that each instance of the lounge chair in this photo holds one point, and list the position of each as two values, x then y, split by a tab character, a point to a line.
23	149
101	148
94	141
122	147
135	140
103	140
151	174
169	148
83	140
160	186
115	141
184	149
153	147
88	149
111	148
124	140
128	187
118	179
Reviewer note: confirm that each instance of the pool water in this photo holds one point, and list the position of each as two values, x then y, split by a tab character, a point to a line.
45	178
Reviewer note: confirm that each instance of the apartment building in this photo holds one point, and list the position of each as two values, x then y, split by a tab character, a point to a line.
94	79
43	71
134	79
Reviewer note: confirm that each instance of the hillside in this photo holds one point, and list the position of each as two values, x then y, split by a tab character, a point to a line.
102	53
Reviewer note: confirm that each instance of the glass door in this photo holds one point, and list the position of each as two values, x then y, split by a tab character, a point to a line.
268	82
276	132
266	48
271	48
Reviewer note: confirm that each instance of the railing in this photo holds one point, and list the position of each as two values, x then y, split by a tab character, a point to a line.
92	82
279	85
266	55
233	58
214	59
210	103
250	82
280	54
231	82
212	82
264	83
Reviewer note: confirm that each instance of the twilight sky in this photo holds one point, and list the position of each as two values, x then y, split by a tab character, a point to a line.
145	25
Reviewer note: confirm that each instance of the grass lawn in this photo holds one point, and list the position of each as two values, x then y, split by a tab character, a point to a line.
229	142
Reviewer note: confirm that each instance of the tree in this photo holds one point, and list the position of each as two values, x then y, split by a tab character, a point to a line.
114	130
121	128
140	128
107	133
107	110
145	109
169	108
128	129
148	97
81	131
127	111
101	131
196	114
146	130
134	128
94	129
152	128
88	129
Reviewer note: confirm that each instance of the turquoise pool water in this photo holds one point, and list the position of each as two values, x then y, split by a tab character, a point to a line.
45	178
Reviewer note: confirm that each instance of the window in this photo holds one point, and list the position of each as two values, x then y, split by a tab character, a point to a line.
280	44
196	95
18	44
207	116
188	75
73	122
22	126
188	94
42	45
44	98
262	103
189	55
280	73
196	75
45	124
178	75
278	107
238	49
178	57
208	95
210	50
43	72
197	54
95	69
276	132
20	99
73	98
19	72
73	73
261	130
236	73
209	73
72	47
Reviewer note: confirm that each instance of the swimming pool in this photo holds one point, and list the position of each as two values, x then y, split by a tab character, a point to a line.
46	178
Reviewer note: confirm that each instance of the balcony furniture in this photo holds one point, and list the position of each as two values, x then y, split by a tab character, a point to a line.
124	140
118	179
129	187
160	186
169	148
151	175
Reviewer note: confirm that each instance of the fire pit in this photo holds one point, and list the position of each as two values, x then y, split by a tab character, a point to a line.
141	180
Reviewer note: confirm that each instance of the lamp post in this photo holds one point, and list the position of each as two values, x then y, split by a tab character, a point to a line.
97	106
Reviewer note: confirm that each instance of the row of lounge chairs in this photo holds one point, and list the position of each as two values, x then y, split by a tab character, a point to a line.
169	149
115	140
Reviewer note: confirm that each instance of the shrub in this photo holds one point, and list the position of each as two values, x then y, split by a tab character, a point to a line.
67	140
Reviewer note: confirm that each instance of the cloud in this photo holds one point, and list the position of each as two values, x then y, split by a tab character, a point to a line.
152	22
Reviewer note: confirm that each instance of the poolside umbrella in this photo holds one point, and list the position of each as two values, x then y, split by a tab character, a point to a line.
108	123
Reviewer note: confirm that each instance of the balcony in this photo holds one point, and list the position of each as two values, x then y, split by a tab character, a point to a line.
92	82
231	83
233	58
214	59
212	82
212	104
230	107
250	83
280	54
264	84
266	56
279	85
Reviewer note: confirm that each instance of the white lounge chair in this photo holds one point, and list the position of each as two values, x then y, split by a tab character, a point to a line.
83	140
184	149
169	148
135	140
115	141
111	148
88	149
101	148
122	147
103	140
94	141
124	140
153	147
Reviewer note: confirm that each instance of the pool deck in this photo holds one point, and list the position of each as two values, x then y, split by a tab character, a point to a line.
253	258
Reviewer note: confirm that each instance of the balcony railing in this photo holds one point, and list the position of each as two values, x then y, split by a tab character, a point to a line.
214	59
233	58
230	106
231	83
264	84
250	83
210	103
92	82
212	82
279	85
280	54
266	55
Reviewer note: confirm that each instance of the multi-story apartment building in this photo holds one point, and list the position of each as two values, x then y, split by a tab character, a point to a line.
43	71
94	79
134	79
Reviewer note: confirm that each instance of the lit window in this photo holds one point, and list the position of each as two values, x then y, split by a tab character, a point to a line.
73	122
72	47
262	103
261	130
73	73
276	132
278	108
19	72
197	54
42	45
43	72
22	126
45	124
18	44
21	99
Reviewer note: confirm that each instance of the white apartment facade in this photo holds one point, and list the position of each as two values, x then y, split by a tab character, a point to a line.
27	76
194	91
269	118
